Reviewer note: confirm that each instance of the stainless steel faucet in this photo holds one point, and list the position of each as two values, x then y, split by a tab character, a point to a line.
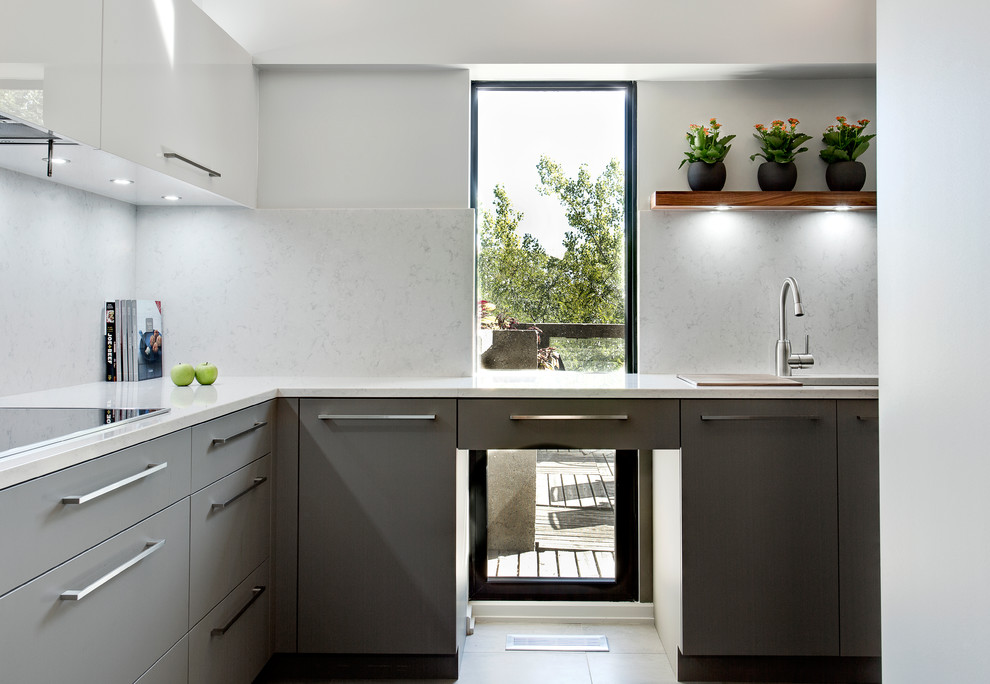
785	359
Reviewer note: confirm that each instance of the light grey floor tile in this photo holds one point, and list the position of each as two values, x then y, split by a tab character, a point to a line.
524	668
630	668
628	638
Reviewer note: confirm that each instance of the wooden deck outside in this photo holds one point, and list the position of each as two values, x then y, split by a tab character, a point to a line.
575	518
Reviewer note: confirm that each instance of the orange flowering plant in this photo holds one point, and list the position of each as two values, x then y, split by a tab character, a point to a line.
845	141
779	143
705	144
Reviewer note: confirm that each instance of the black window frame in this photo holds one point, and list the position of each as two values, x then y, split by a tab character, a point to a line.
625	586
629	171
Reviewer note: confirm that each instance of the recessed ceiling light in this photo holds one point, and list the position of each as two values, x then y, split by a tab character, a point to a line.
56	160
121	181
171	198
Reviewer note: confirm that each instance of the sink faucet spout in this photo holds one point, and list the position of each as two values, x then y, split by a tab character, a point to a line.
785	360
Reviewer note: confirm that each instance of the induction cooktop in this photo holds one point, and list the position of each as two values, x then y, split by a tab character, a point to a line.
22	429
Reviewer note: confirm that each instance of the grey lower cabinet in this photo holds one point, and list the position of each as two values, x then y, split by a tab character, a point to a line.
760	545
107	614
780	540
382	535
859	528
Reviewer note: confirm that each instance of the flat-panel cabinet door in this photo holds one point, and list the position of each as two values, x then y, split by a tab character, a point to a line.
174	82
859	527
50	52
760	548
108	614
377	526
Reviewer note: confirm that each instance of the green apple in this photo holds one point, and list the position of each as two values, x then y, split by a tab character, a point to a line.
182	374
206	373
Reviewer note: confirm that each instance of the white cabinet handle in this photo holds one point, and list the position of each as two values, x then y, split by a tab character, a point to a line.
334	416
569	417
211	172
255	483
151	470
223	440
255	593
80	594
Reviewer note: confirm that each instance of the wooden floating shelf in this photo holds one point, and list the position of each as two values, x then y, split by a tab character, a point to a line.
762	200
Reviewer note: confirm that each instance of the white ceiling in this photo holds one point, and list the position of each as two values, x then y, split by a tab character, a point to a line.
513	39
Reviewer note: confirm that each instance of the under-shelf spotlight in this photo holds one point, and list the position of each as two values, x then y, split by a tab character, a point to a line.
721	207
842	207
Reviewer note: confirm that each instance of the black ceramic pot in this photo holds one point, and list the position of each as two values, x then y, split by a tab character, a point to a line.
845	175
705	176
776	176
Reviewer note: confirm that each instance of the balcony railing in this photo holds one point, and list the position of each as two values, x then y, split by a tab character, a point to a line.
578	331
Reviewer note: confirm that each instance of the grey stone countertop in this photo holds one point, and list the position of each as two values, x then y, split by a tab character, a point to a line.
196	404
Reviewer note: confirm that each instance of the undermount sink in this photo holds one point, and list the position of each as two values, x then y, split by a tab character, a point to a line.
838	380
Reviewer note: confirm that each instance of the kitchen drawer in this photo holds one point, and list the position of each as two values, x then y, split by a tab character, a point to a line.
115	633
233	642
568	423
230	534
35	517
171	668
223	445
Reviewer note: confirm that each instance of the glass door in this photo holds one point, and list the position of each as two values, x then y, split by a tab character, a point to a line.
553	523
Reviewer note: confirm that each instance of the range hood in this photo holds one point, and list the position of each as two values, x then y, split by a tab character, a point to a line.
28	149
16	133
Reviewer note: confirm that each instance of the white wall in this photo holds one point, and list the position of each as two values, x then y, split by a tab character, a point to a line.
550	31
63	252
667	109
369	138
934	243
710	282
312	292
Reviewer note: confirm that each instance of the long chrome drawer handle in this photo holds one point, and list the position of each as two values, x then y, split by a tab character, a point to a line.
867	417
211	172
761	417
389	416
255	483
79	595
151	470
569	417
223	440
255	593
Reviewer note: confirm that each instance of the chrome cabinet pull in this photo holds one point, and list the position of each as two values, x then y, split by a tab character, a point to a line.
223	440
387	416
80	594
211	172
761	417
255	593
150	470
255	483
569	417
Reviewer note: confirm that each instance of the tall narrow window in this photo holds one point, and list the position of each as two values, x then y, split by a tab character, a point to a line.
553	185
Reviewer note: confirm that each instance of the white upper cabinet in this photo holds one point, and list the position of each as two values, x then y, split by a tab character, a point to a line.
175	84
50	65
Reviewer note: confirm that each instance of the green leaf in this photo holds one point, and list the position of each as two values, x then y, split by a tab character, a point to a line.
860	149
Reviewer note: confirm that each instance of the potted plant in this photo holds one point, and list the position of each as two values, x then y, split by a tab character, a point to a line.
844	142
707	169
779	145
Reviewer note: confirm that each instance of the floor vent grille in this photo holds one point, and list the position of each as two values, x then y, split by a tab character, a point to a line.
556	642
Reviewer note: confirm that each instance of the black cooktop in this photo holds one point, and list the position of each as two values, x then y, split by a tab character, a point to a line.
27	428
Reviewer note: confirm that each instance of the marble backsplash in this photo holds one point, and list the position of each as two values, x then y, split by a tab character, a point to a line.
350	292
63	252
709	289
